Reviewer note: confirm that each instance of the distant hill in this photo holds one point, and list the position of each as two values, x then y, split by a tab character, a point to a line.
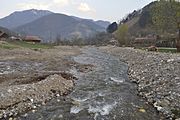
49	25
101	23
22	17
55	25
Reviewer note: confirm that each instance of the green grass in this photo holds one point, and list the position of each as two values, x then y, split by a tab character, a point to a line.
6	45
161	49
22	44
176	112
167	50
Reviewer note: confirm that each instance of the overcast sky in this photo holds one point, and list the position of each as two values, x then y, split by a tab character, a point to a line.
111	10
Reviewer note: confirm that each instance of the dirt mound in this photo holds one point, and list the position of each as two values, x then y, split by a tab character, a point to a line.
19	98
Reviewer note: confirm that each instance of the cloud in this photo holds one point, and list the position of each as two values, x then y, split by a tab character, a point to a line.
61	2
35	5
42	5
84	7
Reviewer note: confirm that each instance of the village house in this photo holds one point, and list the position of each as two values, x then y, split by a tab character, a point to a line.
15	38
145	41
3	35
34	39
167	40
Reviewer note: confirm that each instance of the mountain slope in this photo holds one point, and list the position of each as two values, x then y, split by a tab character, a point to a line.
9	32
140	22
101	23
59	25
22	17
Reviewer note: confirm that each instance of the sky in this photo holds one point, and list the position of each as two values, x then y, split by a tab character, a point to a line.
110	10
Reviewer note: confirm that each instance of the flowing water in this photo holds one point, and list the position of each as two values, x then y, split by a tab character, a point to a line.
105	93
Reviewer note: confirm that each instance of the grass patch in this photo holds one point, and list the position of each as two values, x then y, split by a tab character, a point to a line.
6	45
161	49
32	45
176	112
167	50
22	44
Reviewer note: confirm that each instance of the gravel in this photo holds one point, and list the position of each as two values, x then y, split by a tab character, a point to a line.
157	76
20	98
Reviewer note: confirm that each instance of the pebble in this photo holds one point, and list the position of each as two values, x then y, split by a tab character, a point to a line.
31	100
1	115
34	107
60	116
170	60
142	110
33	111
10	114
25	115
43	103
57	95
10	118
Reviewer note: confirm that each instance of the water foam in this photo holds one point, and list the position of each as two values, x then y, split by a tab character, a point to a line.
102	110
75	109
117	80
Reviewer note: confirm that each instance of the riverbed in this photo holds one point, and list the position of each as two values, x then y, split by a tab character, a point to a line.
102	93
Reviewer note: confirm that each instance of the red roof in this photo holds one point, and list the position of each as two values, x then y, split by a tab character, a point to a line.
145	39
32	39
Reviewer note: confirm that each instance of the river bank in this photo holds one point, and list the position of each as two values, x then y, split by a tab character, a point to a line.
30	78
157	76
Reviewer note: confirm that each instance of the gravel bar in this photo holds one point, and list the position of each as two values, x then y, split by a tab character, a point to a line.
157	76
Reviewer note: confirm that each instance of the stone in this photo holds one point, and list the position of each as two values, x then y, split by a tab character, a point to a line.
142	110
31	100
33	111
34	107
10	118
57	95
170	60
60	116
1	115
